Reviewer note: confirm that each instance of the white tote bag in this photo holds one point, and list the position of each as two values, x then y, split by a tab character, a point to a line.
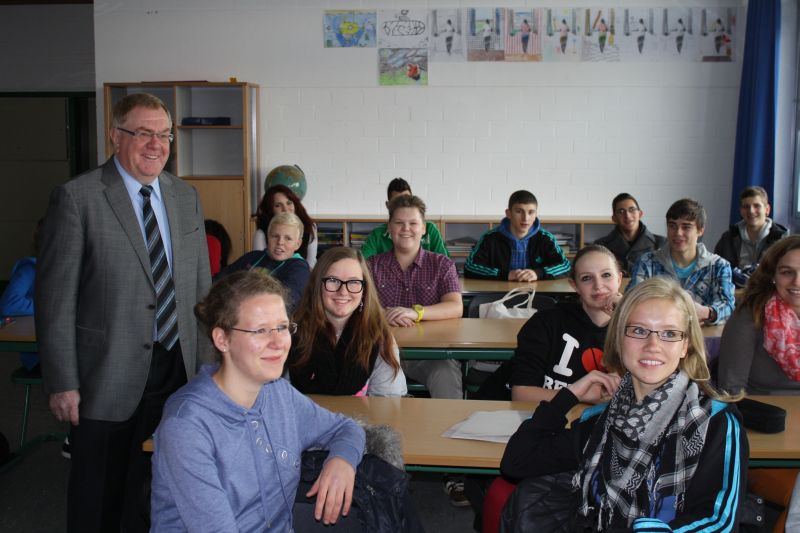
498	309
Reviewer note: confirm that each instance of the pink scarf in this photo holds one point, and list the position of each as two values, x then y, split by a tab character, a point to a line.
782	336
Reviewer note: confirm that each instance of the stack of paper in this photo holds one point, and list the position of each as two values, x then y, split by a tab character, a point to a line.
492	426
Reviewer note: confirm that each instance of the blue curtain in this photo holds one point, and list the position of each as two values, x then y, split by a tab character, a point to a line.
754	161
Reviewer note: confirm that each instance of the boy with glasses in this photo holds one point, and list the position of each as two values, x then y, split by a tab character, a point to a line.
705	276
630	238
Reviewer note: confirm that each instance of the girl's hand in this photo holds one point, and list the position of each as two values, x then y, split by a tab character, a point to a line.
595	387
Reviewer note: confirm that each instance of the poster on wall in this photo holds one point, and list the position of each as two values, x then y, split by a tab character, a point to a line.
716	34
403	66
678	34
403	28
640	39
599	35
349	29
523	34
446	39
484	31
561	40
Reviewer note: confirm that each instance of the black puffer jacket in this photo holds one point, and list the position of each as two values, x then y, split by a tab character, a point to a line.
380	494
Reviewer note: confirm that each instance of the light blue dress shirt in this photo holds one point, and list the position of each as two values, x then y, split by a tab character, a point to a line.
156	202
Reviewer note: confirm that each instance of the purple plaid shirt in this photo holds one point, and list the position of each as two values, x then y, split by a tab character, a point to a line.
427	279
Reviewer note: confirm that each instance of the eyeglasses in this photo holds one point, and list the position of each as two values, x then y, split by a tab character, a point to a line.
144	136
263	333
632	210
666	335
354	286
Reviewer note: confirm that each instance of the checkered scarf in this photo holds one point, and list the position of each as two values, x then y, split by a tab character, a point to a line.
642	449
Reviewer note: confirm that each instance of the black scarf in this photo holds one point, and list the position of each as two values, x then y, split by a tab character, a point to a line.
332	369
640	449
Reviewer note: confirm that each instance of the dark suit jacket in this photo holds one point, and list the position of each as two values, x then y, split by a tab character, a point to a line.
95	299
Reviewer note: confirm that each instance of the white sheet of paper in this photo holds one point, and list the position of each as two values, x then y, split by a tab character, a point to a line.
492	426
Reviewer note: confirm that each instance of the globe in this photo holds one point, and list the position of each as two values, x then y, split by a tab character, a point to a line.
291	176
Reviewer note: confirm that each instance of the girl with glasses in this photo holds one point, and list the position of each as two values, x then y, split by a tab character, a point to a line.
666	452
227	451
343	344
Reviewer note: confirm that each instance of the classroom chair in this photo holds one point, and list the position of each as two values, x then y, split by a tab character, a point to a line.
23	376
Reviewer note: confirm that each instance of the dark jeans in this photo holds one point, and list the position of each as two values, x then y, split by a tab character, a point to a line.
108	467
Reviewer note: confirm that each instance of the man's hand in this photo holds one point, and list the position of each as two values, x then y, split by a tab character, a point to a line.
64	406
334	490
522	274
703	312
401	316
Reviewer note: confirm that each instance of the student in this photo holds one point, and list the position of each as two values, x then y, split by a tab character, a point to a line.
666	451
746	241
17	298
519	249
343	345
760	347
379	241
706	276
415	285
630	238
227	451
558	346
219	246
281	199
280	259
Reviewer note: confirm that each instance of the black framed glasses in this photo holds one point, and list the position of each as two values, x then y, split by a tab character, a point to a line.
632	210
666	335
332	284
144	136
263	333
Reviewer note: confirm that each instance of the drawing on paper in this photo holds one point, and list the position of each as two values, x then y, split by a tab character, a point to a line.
561	39
484	28
716	34
679	34
446	40
349	29
641	37
403	66
523	36
403	28
599	41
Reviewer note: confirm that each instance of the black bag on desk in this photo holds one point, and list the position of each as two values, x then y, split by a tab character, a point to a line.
760	416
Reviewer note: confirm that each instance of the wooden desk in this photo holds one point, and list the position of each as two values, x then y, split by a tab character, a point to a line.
421	422
490	339
548	286
19	336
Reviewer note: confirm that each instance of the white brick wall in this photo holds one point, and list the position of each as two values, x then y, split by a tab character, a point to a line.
574	134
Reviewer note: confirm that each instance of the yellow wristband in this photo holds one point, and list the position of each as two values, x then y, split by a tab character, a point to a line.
420	311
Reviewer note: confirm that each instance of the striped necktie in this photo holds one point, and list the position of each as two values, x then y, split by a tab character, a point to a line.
166	310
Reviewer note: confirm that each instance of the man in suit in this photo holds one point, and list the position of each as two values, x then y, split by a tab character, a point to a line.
122	263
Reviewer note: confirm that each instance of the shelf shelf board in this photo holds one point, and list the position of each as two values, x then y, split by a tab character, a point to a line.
210	127
216	177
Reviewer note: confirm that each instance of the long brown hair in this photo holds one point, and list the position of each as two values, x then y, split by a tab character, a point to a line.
370	327
662	288
265	214
761	285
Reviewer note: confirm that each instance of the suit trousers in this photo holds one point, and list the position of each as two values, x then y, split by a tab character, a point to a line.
109	468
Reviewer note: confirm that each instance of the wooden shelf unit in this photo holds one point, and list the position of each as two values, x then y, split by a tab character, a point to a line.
220	161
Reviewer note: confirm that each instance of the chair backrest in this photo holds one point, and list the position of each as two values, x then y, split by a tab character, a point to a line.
540	302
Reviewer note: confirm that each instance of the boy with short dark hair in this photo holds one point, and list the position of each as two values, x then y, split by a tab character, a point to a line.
706	276
746	241
630	238
518	249
379	241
